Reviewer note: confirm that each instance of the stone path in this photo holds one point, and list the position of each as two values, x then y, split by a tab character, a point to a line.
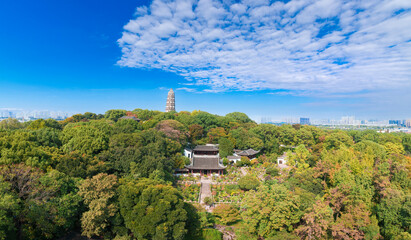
205	190
243	171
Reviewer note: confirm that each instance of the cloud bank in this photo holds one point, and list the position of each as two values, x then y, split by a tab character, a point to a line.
311	46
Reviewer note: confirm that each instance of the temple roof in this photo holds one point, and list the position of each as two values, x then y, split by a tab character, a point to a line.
131	118
233	157
205	163
248	152
206	148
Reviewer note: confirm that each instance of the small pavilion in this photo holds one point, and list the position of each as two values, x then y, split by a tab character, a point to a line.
250	153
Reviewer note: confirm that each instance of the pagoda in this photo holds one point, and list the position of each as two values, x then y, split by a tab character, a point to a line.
171	102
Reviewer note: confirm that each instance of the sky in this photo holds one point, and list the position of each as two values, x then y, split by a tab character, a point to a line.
300	58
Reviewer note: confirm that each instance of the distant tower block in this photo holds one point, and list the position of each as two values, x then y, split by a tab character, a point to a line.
171	101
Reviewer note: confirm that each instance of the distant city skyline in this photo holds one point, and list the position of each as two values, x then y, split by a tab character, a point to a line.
27	115
316	59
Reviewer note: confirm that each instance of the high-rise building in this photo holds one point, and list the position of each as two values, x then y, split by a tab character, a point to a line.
408	123
304	121
171	102
395	122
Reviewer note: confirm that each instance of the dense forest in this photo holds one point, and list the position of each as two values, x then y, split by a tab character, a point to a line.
103	177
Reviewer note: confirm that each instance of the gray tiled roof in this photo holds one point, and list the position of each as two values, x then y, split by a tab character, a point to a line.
130	117
206	148
205	163
248	152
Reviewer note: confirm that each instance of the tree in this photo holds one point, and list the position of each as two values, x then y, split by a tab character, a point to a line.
152	210
196	132
355	223
115	114
9	207
205	119
392	148
48	137
84	138
126	126
240	117
338	139
185	118
225	147
248	182
299	158
174	130
255	143
10	124
145	114
47	205
215	134
209	201
76	164
99	194
268	134
406	142
227	214
393	212
270	209
316	222
245	161
305	137
287	135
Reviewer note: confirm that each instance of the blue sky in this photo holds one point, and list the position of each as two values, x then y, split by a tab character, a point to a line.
318	59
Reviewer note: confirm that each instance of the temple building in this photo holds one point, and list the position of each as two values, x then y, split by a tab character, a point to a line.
205	160
130	118
171	102
249	153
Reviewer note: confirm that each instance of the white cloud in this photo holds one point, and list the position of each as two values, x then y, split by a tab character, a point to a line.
325	46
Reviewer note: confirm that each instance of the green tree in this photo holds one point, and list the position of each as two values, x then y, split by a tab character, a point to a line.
270	209
227	214
248	182
268	134
240	117
394	148
287	135
153	210
338	139
225	147
215	134
196	132
99	194
299	158
48	205
406	142
48	137
115	114
206	120
10	124
9	207
394	212
84	138
76	164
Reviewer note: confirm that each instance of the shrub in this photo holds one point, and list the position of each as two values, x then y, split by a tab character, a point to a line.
212	234
248	182
273	171
225	161
227	214
208	201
